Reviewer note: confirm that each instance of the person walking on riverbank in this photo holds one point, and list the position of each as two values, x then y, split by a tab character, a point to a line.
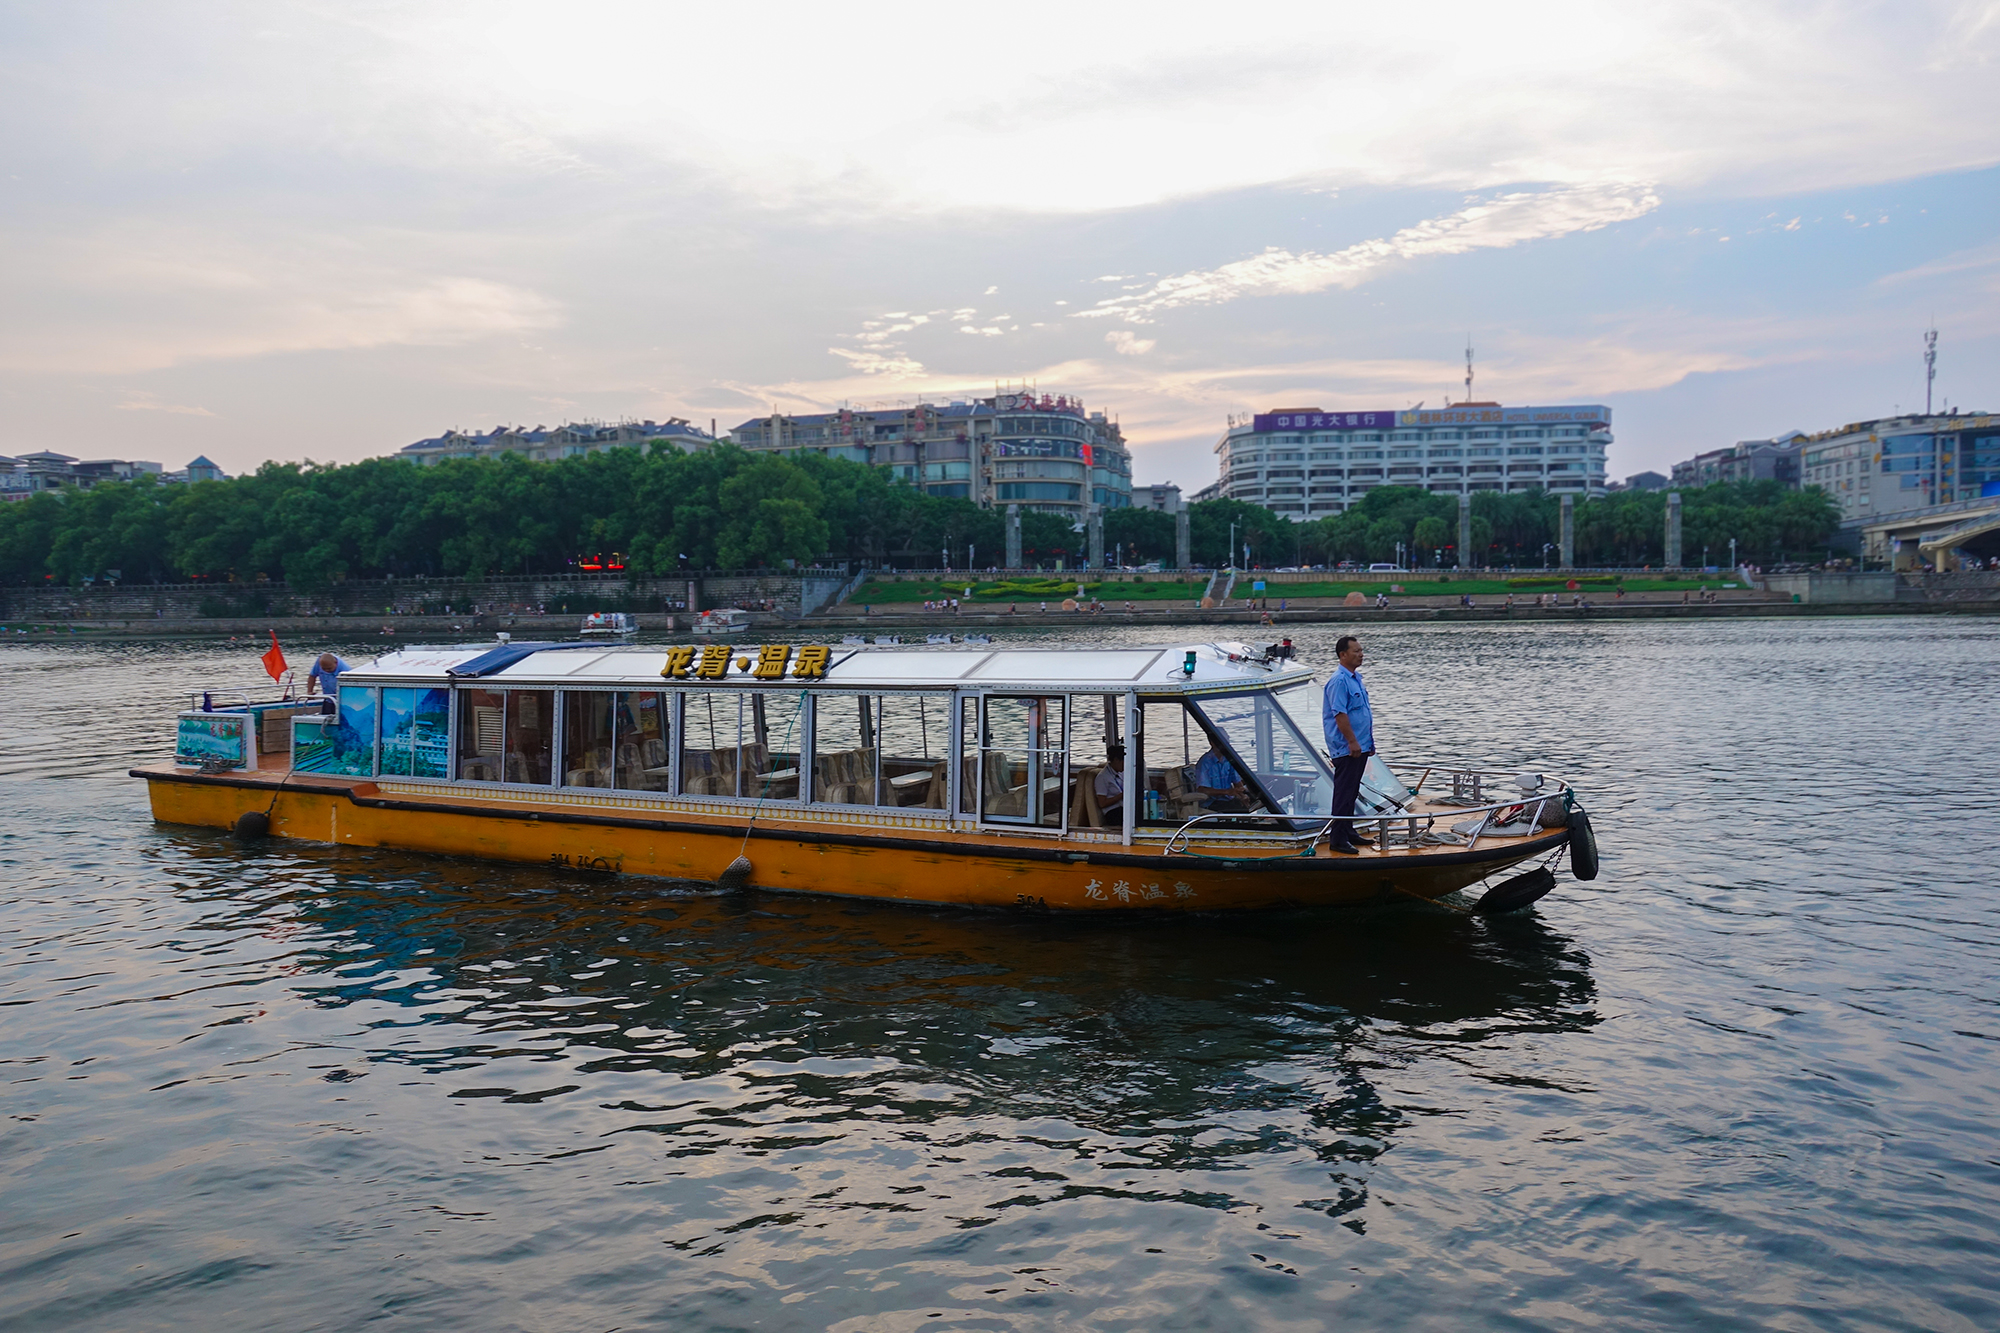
1349	722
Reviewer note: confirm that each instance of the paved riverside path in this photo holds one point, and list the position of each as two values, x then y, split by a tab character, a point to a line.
300	633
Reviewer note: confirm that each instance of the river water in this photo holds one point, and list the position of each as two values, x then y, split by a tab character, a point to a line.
1745	1079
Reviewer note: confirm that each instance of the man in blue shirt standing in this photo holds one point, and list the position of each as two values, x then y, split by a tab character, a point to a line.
1350	736
325	678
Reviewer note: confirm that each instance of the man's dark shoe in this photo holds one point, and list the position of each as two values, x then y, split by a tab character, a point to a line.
1345	848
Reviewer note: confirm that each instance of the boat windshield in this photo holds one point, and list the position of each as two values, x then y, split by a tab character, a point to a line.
1277	753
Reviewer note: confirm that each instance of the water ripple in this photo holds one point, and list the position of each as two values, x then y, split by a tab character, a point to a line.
1744	1079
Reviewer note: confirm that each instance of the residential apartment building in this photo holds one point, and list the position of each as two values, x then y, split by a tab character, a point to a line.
1776	459
46	470
1043	452
1162	496
546	444
1306	463
1873	469
201	469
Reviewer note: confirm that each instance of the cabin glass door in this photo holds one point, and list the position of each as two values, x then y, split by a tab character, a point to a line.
1023	770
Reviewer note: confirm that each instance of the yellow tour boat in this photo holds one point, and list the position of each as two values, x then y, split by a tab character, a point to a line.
968	775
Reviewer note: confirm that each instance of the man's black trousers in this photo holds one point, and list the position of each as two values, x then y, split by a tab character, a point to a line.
1346	787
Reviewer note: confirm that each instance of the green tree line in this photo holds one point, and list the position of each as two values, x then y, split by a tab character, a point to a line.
724	508
310	525
1627	528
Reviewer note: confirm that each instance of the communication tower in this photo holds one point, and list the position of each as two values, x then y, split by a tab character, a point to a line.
1930	364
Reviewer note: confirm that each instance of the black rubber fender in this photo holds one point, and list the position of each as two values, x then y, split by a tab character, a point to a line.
252	825
1510	895
1582	845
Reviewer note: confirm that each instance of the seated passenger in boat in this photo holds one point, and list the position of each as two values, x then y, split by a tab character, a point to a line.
1221	787
1109	786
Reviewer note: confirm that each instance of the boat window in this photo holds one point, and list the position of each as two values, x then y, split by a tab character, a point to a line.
1023	752
916	746
1186	773
643	731
886	750
416	733
846	750
587	747
354	732
773	735
1096	721
1303	702
1282	762
968	749
481	715
709	743
531	736
741	744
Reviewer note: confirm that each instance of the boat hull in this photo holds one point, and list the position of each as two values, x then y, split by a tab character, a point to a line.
915	864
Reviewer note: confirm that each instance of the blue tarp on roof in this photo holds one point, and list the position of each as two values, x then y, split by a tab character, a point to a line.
502	656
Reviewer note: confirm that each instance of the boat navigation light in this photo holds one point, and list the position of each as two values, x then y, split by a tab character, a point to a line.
1187	667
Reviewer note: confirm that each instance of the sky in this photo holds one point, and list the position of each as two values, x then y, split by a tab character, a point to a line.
290	230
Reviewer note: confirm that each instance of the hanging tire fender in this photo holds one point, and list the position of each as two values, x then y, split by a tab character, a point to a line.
1514	894
1582	845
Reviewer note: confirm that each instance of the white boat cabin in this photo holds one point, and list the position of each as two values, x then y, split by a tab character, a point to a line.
1018	739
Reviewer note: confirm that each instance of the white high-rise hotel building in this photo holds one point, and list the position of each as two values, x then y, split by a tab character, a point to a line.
1306	463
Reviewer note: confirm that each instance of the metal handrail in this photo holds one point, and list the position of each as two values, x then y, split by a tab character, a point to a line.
1326	822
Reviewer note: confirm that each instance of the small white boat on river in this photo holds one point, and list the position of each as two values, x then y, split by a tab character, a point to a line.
726	620
609	625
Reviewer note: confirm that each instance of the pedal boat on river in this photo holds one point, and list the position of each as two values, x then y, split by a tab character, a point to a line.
965	775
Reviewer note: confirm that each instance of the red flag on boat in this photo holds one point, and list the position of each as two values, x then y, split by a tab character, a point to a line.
274	659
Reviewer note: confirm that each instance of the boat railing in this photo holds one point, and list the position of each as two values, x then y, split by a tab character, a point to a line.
1323	825
215	698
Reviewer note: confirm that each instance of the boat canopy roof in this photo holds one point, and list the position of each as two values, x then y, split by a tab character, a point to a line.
1052	670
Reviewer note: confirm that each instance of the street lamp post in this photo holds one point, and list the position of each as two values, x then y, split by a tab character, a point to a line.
1232	546
1732	553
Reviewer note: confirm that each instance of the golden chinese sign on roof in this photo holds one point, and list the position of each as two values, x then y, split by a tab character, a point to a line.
712	661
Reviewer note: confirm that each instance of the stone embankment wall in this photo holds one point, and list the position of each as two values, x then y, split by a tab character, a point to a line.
784	593
1980	585
1822	587
1878	587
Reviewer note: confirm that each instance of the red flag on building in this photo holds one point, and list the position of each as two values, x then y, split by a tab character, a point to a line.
274	659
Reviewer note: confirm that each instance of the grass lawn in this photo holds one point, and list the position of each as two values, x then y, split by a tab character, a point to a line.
1054	590
1419	586
877	593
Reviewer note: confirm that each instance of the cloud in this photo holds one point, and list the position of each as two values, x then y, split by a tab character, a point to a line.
879	363
1964	261
135	298
1685	92
1496	223
1127	343
880	351
143	402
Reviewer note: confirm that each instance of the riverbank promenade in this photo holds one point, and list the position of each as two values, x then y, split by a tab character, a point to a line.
913	623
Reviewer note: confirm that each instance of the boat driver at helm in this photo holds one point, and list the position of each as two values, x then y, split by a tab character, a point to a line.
1221	786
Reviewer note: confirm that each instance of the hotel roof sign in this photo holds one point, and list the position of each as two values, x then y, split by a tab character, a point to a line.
1504	416
1267	421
